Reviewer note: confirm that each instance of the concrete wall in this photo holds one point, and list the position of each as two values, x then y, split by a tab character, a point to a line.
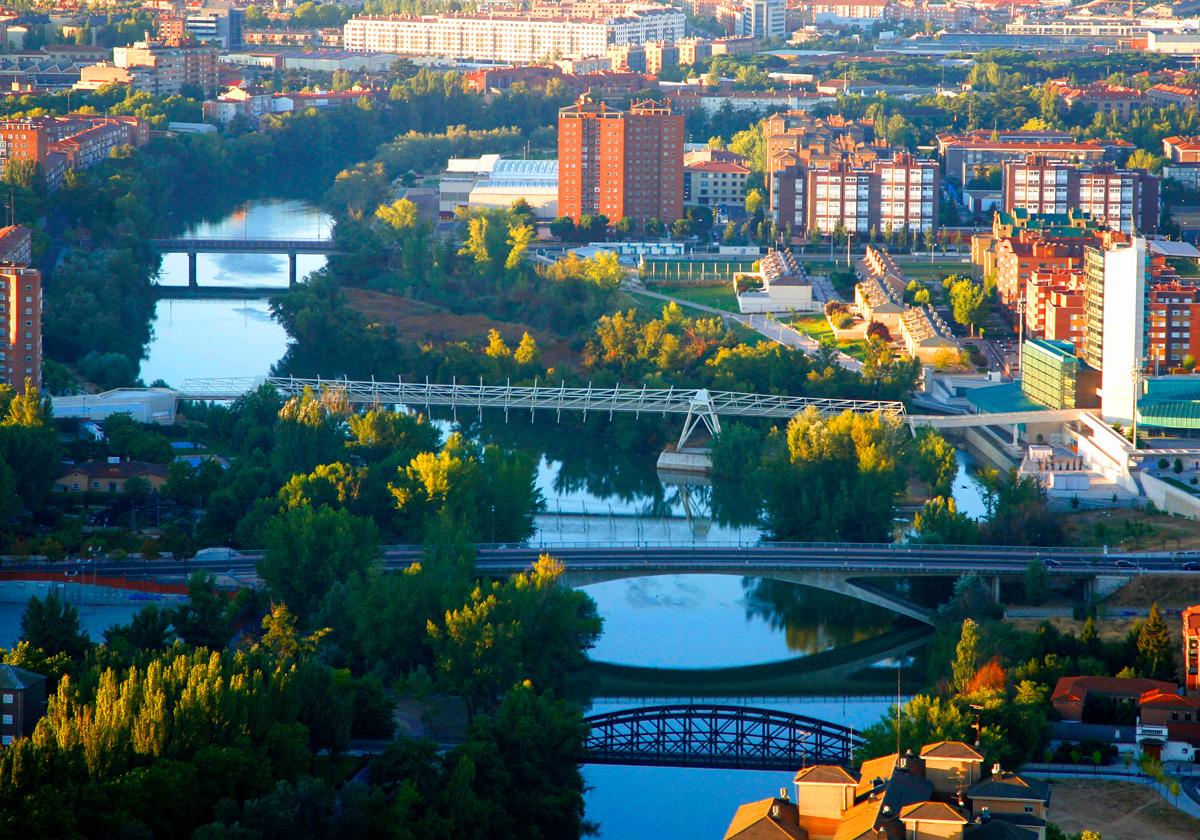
1169	499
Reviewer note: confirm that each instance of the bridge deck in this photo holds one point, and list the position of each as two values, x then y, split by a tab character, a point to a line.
198	245
557	398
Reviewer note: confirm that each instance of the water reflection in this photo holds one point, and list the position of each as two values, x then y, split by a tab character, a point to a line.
722	621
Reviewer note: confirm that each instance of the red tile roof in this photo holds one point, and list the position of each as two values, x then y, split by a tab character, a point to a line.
1076	689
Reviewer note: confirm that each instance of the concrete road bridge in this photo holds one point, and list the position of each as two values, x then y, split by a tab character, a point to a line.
852	569
205	245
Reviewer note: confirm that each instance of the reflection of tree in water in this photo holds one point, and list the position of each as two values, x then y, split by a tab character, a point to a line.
607	459
813	620
736	503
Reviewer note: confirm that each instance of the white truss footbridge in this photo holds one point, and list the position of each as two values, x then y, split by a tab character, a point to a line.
701	406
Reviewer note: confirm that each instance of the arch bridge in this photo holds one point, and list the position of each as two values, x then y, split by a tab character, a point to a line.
717	736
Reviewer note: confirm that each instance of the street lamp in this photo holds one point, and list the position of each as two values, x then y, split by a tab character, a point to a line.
1136	372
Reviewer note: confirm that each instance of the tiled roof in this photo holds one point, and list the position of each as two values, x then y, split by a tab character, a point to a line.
716	166
1010	786
1077	688
998	830
932	812
875	768
756	821
125	469
1158	697
825	774
950	749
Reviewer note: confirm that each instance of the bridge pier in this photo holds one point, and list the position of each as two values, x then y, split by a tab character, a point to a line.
193	281
291	269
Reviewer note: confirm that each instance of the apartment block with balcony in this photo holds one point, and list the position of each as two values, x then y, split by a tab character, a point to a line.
21	313
1124	200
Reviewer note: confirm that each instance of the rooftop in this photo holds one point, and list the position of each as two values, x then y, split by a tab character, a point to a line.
14	678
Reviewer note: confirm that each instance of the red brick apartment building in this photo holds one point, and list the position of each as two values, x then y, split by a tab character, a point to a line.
62	144
21	311
1123	199
620	164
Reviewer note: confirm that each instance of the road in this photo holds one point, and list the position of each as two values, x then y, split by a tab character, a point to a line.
881	559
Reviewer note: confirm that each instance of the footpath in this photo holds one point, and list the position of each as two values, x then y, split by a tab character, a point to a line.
765	325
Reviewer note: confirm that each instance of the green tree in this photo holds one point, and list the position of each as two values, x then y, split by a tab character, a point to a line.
936	462
966	656
520	237
52	625
527	352
309	549
939	522
1035	582
1155	650
203	619
754	202
966	302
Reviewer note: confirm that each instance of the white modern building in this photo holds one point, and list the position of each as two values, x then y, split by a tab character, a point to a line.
1123	349
496	182
508	39
763	19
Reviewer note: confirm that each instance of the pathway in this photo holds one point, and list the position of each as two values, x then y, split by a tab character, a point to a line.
765	325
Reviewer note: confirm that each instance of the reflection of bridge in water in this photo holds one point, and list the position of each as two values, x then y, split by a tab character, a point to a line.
846	669
730	737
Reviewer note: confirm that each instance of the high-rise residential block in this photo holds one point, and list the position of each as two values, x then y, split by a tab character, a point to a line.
21	311
763	19
1115	333
620	163
1125	200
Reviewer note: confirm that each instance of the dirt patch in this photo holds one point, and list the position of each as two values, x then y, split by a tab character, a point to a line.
1118	810
1159	532
1168	591
424	322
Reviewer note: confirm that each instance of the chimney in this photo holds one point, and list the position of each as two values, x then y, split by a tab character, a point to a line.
996	769
783	794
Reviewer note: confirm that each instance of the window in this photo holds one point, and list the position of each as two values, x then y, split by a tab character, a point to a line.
1028	809
6	720
8	699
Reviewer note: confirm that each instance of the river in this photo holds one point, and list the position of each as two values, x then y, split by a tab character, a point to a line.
669	631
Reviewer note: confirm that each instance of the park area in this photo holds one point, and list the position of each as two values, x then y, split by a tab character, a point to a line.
684	271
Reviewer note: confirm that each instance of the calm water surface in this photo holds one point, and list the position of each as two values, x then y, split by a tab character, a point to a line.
677	621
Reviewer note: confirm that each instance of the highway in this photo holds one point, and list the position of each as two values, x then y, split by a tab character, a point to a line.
880	559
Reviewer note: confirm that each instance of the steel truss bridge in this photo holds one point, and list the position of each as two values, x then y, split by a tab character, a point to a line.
701	406
727	737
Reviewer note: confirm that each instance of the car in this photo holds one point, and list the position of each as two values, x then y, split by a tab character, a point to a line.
1125	564
1191	566
1051	563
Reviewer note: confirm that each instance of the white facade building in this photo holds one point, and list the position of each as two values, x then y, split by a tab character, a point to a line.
763	19
1123	348
508	39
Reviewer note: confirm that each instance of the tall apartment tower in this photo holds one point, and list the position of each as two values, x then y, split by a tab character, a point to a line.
1115	324
21	310
763	18
620	164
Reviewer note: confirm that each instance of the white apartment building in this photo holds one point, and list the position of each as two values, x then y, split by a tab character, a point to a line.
508	39
907	194
763	19
1123	345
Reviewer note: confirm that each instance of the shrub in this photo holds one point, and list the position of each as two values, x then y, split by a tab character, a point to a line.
875	329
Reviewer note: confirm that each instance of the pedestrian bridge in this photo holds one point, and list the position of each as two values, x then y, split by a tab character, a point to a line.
702	407
717	736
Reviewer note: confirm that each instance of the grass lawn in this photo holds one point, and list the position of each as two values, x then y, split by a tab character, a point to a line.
1118	810
718	297
814	326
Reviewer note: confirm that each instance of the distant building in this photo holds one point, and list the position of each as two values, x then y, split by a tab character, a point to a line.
1123	199
963	154
1115	337
21	312
109	476
783	286
171	68
1053	376
496	181
22	702
763	19
711	183
620	163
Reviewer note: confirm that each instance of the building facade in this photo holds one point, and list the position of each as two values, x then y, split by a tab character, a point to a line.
713	183
762	19
845	194
172	68
1114	342
1053	376
1191	648
509	39
21	311
620	163
1123	199
22	702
